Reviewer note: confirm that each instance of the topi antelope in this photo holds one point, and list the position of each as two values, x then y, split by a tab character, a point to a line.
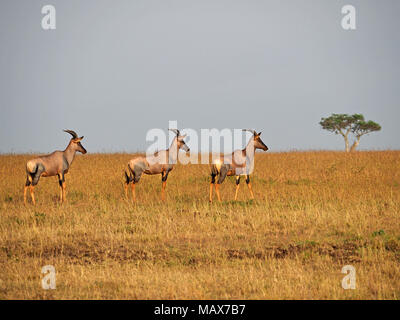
239	162
161	162
56	163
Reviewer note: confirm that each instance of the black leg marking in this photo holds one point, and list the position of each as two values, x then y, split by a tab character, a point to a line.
61	179
164	176
213	178
128	178
247	179
237	180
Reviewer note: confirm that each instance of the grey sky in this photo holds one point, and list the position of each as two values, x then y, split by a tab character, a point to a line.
112	70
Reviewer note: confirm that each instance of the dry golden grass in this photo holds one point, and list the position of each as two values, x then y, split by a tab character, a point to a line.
314	213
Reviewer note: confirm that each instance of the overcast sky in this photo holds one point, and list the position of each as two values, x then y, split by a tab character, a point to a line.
112	70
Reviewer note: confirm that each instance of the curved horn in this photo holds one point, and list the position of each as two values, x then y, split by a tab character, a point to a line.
250	130
176	131
72	133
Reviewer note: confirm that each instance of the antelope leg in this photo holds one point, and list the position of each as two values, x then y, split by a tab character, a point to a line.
217	191
27	184
31	189
133	191
126	190
25	189
164	177
163	190
249	186
61	188
212	185
237	186
64	194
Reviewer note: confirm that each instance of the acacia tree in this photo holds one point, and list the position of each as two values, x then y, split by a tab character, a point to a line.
345	124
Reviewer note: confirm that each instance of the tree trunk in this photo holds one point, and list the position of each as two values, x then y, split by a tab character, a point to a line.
355	144
346	139
346	142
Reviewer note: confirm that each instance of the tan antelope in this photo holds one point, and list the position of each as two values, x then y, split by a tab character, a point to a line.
239	162
54	164
161	162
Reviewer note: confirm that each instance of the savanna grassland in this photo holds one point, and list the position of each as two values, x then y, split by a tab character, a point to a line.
314	213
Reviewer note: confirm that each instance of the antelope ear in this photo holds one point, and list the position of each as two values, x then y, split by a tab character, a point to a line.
78	139
259	134
81	138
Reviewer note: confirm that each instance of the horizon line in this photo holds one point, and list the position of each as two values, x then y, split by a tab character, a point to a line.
211	152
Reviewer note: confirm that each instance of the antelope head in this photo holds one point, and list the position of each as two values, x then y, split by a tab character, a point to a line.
76	142
258	143
179	140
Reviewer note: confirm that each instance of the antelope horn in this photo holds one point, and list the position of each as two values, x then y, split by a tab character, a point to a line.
250	130
72	133
176	131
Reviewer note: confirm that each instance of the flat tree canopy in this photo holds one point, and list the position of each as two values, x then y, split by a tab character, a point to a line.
343	124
